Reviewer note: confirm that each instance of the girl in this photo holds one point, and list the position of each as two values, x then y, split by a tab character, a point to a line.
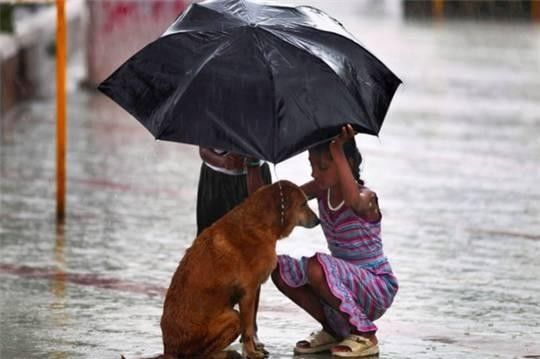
348	289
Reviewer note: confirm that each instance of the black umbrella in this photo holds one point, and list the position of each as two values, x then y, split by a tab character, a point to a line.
259	80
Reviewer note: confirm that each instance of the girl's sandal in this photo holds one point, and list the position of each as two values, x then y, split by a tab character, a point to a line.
317	342
359	347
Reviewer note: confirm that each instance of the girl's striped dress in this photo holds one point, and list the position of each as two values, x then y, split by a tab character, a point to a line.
357	272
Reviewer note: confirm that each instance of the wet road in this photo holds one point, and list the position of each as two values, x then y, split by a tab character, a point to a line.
457	168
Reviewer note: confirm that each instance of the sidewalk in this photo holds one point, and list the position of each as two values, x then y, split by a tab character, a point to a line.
456	171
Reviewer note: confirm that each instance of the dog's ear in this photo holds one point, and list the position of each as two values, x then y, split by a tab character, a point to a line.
276	206
263	205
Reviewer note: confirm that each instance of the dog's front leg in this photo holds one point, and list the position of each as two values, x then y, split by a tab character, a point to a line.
247	316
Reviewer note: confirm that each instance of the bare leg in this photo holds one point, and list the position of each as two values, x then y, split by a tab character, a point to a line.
317	280
305	298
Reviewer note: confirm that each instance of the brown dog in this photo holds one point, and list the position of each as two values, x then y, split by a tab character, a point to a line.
225	266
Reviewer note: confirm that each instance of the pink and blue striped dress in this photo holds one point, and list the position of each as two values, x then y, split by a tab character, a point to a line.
357	272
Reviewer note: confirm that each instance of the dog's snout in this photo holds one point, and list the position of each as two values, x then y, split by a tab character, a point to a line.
311	220
314	222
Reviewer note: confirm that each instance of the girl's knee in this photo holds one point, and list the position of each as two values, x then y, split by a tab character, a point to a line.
315	273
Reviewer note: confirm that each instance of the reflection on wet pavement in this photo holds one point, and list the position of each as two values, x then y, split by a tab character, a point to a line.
456	167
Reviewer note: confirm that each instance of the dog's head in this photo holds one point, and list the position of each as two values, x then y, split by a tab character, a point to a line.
290	207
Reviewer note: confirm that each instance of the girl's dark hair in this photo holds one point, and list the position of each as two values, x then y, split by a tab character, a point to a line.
353	155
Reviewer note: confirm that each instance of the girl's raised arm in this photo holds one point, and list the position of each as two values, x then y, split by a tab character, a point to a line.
361	200
347	183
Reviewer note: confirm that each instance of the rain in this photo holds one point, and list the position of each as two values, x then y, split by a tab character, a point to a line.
456	167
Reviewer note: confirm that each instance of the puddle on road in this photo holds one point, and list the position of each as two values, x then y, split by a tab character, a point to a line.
456	170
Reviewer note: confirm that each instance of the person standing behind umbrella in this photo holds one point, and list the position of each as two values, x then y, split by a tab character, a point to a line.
226	179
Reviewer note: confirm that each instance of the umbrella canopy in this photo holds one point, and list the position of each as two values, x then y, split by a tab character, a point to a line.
259	80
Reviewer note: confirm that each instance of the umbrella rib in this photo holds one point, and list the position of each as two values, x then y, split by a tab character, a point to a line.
298	104
332	19
306	50
178	93
362	47
248	15
313	55
170	30
271	73
352	38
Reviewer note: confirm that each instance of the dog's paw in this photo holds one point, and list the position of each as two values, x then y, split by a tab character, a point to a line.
258	344
256	354
260	347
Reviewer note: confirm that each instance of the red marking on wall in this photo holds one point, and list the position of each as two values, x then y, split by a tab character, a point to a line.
118	28
119	13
